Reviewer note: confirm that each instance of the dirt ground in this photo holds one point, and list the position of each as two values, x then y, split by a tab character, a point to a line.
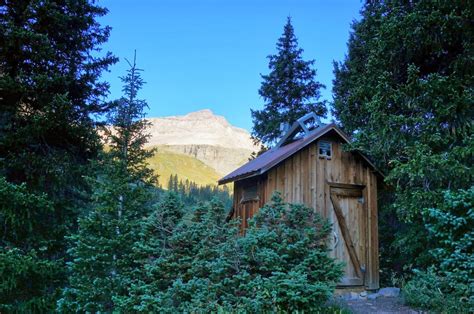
379	305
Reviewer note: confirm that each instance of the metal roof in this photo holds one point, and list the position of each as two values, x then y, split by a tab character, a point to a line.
274	156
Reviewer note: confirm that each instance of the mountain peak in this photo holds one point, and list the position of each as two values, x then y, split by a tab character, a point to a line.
201	127
201	113
204	114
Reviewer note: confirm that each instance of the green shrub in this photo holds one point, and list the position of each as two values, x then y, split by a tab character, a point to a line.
198	262
283	260
427	290
448	283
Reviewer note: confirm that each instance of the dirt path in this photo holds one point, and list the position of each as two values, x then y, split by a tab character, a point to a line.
379	305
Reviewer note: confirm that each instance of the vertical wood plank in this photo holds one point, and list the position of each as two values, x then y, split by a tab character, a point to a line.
297	180
313	174
287	184
374	243
306	168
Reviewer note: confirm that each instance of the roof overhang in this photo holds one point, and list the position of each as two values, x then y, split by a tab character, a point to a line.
312	137
240	177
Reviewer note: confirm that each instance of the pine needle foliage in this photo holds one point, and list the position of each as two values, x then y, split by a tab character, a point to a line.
289	91
50	89
101	251
448	285
197	262
29	278
405	93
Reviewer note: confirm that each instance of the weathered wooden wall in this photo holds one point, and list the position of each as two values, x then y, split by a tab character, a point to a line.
305	178
246	209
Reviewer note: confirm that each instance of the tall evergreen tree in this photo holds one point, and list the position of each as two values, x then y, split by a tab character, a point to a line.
123	190
49	88
289	90
170	183
405	91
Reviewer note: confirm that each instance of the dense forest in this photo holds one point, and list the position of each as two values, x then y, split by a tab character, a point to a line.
191	193
88	229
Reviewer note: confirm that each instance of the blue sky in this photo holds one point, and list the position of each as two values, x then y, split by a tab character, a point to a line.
210	54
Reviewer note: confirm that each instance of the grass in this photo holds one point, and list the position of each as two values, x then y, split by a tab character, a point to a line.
166	163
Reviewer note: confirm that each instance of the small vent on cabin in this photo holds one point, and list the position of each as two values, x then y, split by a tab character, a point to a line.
249	194
325	149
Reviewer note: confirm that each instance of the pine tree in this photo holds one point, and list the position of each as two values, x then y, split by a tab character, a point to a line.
175	183
101	250
49	88
405	93
170	183
289	90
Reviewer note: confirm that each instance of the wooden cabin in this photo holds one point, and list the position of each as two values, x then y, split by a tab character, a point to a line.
310	166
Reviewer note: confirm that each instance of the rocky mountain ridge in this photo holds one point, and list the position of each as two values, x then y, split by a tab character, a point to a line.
202	135
199	128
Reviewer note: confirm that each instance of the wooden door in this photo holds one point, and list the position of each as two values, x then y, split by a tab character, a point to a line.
349	238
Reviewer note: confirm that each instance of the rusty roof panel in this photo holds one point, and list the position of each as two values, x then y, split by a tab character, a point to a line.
274	156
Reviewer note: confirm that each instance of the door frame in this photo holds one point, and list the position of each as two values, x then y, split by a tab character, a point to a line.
351	190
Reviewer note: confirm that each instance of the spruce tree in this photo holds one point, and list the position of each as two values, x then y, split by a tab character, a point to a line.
405	92
49	88
101	250
289	90
170	183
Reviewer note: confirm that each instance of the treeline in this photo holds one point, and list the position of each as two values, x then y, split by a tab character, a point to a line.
192	193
